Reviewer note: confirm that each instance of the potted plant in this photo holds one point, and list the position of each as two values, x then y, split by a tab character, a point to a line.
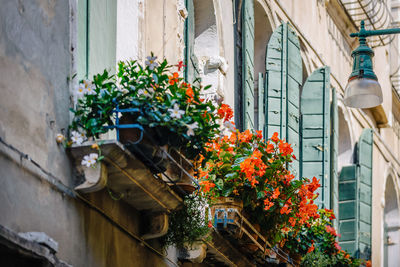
188	227
153	100
245	168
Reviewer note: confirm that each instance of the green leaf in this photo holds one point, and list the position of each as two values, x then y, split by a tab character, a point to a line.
231	176
260	194
219	184
227	191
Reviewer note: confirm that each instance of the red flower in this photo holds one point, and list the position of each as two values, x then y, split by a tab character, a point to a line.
210	224
330	230
337	246
180	65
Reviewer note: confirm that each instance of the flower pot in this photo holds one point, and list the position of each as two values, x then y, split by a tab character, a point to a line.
148	149
183	189
224	212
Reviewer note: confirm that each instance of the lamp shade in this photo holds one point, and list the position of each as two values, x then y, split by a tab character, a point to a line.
363	89
363	93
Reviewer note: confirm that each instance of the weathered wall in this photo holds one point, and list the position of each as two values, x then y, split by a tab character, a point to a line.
35	67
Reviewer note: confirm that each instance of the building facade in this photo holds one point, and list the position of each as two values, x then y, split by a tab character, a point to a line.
282	64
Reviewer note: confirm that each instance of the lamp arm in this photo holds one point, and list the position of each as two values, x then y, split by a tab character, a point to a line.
365	33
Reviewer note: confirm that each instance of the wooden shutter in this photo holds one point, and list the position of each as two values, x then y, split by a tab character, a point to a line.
315	132
248	64
102	32
348	208
355	200
283	80
97	28
334	156
261	107
191	62
82	46
364	157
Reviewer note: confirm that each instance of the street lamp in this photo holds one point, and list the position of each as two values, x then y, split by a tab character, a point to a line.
363	89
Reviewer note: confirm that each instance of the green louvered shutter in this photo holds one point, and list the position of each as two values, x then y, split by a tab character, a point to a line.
261	115
97	32
355	200
334	156
283	79
315	132
248	64
348	208
364	156
191	62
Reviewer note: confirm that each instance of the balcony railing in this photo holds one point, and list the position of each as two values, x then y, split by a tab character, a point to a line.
376	14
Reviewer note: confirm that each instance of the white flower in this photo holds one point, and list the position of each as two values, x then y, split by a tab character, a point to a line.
89	87
176	112
80	90
90	160
191	128
151	62
77	137
123	90
60	138
145	92
230	126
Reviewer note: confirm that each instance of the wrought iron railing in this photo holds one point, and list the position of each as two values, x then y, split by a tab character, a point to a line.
376	14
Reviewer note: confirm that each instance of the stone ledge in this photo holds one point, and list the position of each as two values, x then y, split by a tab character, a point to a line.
129	177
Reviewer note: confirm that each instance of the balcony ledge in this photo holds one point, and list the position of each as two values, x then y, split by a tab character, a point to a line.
128	176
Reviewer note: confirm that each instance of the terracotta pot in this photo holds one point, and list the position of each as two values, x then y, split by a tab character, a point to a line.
183	189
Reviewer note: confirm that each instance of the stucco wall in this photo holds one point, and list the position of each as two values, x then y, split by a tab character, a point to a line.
35	69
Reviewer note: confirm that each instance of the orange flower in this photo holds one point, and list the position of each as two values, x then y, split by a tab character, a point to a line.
275	138
225	112
270	148
246	136
268	204
285	148
276	193
311	249
174	78
368	264
190	94
206	185
292	221
259	134
285	209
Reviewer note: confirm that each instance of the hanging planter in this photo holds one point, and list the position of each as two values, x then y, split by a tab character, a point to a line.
224	212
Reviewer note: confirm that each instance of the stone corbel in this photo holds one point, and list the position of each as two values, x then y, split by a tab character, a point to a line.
95	178
214	63
156	225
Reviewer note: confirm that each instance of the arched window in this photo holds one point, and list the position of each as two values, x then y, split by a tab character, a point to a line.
391	237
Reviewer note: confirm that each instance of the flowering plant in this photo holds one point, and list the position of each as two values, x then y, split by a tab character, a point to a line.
319	236
163	100
245	167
